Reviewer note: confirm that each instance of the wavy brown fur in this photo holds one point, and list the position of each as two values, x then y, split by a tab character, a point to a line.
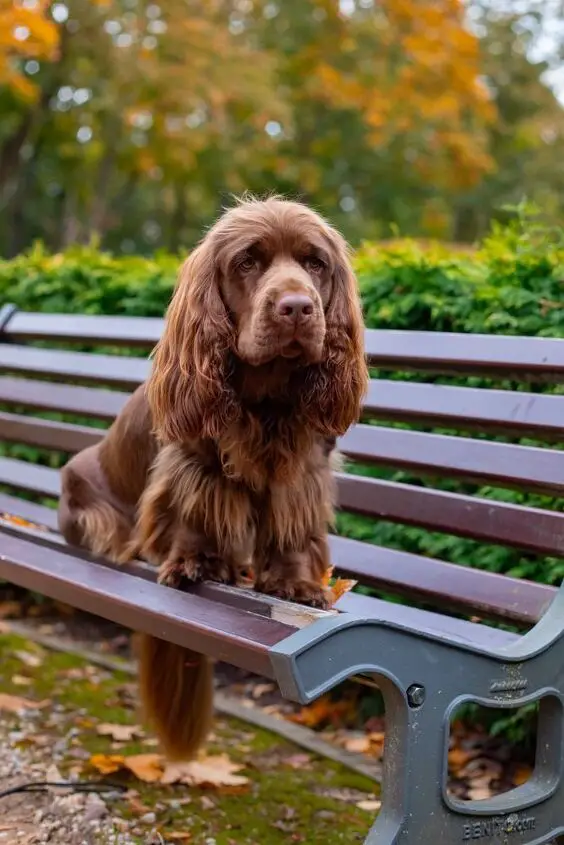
224	459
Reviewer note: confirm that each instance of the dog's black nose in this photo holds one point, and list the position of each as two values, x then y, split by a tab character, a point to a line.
294	307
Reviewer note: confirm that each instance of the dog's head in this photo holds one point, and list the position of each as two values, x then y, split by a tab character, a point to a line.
271	280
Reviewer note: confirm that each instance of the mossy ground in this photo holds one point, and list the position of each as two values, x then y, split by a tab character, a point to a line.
293	797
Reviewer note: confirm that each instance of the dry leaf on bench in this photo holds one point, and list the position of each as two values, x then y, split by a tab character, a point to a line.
15	704
121	733
212	772
340	587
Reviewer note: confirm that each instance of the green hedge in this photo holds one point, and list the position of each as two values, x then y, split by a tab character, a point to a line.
511	284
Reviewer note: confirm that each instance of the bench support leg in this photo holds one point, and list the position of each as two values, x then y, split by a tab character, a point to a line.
424	680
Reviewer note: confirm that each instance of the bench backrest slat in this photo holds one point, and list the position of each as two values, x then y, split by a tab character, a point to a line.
429	351
466	516
521	467
47	396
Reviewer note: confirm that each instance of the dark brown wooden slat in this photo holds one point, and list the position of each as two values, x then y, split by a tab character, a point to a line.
400	349
496	522
21	475
495	597
38	514
446	352
466	408
46	396
424	620
485	594
85	328
226	633
420	620
47	434
525	528
119	371
540	470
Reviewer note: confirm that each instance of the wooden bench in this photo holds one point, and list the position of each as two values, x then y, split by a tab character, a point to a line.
426	662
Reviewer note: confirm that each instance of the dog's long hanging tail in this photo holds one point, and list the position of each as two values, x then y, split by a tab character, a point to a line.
176	687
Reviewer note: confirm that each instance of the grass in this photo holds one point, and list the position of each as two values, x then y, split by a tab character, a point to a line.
292	797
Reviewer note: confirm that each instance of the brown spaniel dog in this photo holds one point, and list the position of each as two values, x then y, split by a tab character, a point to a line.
222	459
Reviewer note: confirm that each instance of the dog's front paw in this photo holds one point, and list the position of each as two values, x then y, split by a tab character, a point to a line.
302	592
174	570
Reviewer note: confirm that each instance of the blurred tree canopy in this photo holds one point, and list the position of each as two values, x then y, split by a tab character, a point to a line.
132	122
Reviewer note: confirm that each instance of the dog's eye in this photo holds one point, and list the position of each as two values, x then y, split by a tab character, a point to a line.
314	264
246	264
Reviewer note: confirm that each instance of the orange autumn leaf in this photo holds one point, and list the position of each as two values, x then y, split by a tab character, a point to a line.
145	767
210	772
107	764
340	587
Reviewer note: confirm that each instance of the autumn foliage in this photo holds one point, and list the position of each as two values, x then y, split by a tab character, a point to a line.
26	32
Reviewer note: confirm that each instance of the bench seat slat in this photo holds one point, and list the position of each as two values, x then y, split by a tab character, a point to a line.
64	398
524	467
423	620
226	633
116	370
434	581
485	594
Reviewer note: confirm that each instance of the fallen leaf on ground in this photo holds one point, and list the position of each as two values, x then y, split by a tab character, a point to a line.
178	836
206	803
15	704
357	744
522	775
322	710
10	609
107	764
211	772
372	805
31	660
121	733
479	793
146	767
262	689
459	757
21	681
297	761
